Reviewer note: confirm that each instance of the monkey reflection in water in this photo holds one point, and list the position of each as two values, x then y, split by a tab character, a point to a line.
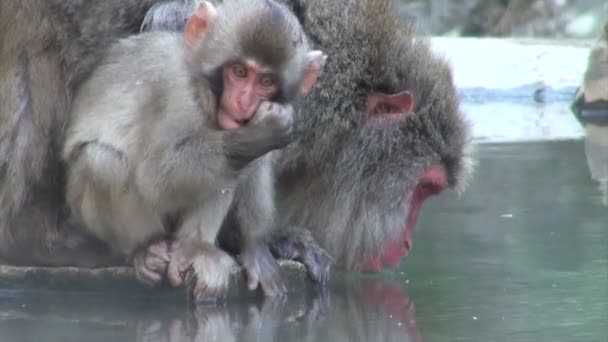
369	311
181	126
365	310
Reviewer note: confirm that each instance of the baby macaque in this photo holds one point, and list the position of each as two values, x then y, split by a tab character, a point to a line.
172	130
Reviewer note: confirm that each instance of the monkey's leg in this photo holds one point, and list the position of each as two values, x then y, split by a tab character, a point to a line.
207	268
255	214
298	244
105	203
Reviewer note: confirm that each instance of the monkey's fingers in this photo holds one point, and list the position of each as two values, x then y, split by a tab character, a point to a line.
304	249
160	251
175	272
263	269
147	275
252	281
318	264
209	275
273	283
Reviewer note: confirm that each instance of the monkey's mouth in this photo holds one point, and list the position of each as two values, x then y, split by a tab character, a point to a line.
227	122
432	182
391	255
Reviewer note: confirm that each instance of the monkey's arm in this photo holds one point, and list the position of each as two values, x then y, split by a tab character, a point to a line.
168	15
255	214
182	157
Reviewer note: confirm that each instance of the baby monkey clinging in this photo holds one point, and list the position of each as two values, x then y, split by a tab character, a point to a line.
172	130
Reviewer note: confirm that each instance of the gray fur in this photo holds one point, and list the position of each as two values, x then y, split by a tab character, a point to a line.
345	179
47	48
331	118
143	144
275	40
168	16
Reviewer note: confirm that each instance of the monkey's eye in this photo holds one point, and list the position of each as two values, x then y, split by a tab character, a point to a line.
239	70
267	81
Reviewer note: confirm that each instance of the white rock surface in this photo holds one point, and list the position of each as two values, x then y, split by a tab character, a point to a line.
517	90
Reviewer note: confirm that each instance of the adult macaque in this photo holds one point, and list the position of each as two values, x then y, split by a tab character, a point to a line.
352	178
380	133
170	129
47	47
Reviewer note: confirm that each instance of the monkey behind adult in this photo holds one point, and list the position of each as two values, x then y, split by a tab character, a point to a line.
176	127
47	47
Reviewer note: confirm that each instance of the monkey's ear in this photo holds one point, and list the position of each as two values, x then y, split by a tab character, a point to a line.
315	60
199	22
403	101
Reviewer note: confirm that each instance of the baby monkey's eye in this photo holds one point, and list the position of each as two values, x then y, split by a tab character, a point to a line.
239	70
267	81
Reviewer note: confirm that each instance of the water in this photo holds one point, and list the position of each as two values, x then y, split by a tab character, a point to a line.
521	256
525	251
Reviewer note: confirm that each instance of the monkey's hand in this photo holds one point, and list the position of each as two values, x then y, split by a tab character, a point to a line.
150	263
262	268
270	129
204	268
275	122
301	246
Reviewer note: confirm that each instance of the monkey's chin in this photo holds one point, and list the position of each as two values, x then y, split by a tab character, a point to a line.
390	257
226	121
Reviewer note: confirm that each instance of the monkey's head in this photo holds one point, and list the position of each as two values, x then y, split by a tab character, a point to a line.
251	51
383	131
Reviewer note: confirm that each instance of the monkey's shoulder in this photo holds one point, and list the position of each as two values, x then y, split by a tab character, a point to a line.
138	69
148	51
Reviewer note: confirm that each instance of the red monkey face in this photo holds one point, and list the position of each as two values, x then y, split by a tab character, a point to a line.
432	182
246	85
389	109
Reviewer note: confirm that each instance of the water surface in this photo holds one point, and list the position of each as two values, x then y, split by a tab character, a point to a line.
521	256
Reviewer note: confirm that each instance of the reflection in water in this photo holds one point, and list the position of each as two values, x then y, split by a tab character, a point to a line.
371	310
521	256
596	150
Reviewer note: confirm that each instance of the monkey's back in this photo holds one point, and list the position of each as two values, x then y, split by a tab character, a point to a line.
141	82
141	88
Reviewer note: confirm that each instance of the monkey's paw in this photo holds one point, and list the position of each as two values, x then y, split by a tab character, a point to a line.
151	263
277	117
209	274
306	251
262	268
